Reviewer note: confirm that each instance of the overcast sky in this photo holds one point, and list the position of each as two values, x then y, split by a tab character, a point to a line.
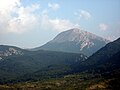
32	23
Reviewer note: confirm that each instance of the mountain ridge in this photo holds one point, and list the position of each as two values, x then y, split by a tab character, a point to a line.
75	40
104	59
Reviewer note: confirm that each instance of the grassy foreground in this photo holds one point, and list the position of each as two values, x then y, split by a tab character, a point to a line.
69	82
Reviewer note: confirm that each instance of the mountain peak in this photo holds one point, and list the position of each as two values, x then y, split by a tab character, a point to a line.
76	30
76	35
76	41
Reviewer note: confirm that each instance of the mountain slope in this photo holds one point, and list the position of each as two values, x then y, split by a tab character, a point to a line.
6	51
76	41
14	66
111	64
105	53
104	59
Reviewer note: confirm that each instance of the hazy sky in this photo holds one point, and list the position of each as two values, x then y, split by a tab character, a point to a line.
31	23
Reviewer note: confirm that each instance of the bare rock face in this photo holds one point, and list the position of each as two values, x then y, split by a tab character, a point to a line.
9	51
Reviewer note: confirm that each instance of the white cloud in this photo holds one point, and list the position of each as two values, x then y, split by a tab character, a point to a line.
61	25
45	12
25	21
103	27
9	4
16	18
83	14
57	24
54	6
